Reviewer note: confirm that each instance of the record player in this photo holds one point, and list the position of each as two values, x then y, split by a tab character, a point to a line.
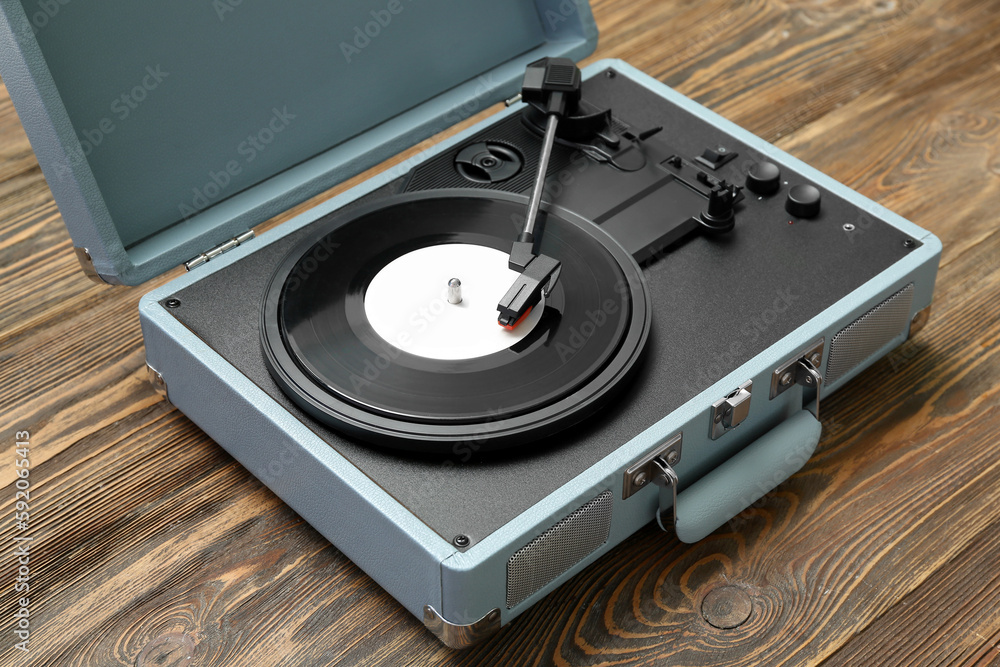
477	372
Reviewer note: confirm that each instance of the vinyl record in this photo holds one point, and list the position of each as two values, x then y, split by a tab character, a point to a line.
444	375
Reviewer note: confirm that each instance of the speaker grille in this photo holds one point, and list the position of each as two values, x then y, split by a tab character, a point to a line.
865	336
558	549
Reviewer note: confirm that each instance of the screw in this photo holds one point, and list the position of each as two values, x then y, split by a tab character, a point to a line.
909	243
816	359
848	227
172	303
611	74
720	149
786	379
673	457
640	479
461	541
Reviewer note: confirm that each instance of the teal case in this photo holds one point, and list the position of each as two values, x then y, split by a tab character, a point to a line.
156	154
460	594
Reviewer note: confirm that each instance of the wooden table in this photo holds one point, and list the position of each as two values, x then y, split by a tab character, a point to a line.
153	547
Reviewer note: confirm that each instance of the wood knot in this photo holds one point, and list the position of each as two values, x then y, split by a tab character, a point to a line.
174	649
885	6
726	607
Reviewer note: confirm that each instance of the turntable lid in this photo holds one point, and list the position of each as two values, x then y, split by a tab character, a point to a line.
165	129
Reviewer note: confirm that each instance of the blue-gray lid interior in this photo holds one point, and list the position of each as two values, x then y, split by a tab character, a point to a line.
164	129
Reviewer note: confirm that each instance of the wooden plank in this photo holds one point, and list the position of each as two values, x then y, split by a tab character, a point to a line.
154	545
939	623
902	483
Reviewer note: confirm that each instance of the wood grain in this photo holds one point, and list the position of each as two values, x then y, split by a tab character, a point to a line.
153	547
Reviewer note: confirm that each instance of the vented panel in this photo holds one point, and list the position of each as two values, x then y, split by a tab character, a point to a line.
560	75
558	549
865	336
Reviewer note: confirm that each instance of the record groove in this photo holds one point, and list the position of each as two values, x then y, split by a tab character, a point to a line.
325	355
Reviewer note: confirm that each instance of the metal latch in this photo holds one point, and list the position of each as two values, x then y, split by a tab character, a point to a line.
803	370
648	469
212	253
730	411
658	468
666	475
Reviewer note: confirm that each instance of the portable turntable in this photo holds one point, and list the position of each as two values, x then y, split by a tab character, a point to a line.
477	373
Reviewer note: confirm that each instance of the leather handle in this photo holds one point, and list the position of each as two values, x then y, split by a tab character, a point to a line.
743	479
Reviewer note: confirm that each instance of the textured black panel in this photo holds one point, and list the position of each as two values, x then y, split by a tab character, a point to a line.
713	308
440	171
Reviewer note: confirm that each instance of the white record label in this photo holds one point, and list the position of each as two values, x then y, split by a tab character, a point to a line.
407	302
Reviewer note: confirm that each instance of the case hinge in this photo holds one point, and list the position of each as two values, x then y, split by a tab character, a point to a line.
212	253
87	262
802	369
